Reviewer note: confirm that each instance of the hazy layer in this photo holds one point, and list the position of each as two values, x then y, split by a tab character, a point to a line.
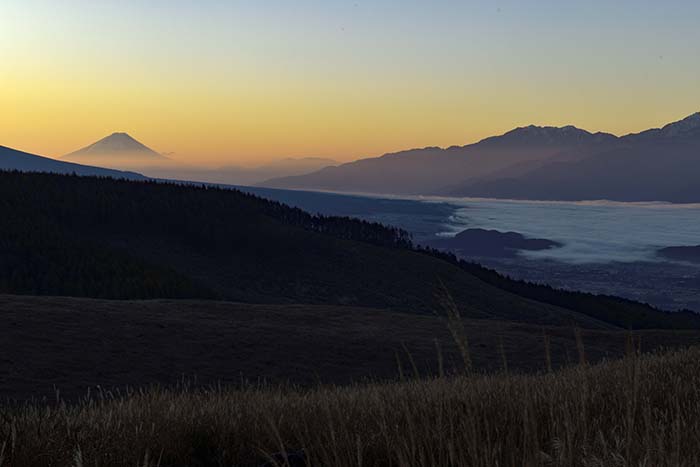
590	231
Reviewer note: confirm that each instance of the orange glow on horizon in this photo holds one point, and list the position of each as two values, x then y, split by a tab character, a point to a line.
241	84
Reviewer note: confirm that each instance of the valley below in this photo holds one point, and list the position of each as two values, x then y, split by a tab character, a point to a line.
667	285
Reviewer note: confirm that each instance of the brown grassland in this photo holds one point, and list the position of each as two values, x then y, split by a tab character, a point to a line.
638	411
642	409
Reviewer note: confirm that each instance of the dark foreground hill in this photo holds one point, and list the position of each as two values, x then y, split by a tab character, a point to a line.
74	344
105	238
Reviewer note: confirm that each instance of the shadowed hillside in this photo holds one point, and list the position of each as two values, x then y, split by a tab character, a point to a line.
116	239
76	343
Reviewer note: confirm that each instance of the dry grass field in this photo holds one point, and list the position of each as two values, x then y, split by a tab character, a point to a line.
638	411
226	384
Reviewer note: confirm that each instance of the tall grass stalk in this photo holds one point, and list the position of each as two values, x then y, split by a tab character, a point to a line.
580	347
547	351
440	359
453	319
502	351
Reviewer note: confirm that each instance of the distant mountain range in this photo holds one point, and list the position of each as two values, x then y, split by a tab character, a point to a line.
545	163
123	152
655	165
11	159
533	162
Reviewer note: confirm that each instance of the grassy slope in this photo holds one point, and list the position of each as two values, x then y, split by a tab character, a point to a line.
341	272
76	343
638	411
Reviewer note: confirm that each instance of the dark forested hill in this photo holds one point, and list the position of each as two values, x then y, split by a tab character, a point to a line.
106	238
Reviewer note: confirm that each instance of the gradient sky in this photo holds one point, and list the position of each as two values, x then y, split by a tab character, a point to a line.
247	81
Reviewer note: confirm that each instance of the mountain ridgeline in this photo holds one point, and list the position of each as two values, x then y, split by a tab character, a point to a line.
107	238
11	159
546	163
432	169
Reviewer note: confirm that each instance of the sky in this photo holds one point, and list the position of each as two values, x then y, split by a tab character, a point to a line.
245	82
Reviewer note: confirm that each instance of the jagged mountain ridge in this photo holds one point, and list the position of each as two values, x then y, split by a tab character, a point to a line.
533	162
687	128
429	170
566	135
660	164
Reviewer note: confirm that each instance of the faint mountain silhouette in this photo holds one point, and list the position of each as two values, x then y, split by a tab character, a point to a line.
121	151
298	163
118	150
238	175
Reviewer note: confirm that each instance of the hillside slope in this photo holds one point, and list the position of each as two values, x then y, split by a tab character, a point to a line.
105	238
74	343
11	159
